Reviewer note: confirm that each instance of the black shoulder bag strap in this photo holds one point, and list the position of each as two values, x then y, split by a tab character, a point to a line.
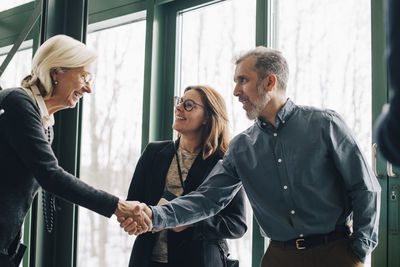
228	262
179	165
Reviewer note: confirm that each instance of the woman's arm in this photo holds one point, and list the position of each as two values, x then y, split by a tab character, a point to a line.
24	132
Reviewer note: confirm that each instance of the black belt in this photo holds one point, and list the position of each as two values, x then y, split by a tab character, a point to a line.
312	240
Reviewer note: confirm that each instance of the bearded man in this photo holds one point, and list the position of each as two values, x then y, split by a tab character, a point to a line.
302	170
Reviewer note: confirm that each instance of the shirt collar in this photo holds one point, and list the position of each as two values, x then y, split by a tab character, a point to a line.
282	116
47	120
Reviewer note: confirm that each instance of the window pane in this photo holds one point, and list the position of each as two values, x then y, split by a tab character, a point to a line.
210	37
17	69
7	4
328	46
111	138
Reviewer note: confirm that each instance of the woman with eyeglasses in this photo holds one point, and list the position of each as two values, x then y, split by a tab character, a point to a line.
170	169
60	76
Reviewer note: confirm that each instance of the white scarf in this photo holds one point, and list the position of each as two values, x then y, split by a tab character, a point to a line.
47	120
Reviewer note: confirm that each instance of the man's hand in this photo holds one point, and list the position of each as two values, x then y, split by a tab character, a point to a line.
137	214
132	224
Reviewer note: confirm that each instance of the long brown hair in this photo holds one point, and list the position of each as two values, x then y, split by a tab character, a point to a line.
216	136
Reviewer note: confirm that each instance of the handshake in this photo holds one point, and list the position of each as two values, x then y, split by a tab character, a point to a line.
137	218
134	217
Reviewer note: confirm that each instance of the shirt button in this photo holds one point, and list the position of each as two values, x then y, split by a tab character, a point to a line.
301	235
275	134
279	160
285	187
292	212
283	121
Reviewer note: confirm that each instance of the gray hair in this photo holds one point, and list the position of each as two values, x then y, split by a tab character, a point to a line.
58	53
268	61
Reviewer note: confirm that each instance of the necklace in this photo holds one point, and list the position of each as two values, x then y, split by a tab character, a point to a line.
48	199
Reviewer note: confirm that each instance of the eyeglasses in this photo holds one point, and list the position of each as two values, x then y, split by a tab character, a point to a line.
188	104
87	77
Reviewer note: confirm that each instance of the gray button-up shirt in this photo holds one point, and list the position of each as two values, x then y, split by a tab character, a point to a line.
304	177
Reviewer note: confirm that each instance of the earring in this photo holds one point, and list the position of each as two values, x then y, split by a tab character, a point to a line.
55	82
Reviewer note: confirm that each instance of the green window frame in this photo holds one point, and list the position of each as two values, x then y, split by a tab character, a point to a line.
71	17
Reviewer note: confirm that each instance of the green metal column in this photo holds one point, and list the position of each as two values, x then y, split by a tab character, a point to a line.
58	248
264	36
379	98
162	72
30	223
148	58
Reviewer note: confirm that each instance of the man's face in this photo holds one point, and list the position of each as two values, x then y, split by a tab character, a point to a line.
249	88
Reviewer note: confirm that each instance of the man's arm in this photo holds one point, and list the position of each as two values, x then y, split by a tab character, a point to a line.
218	189
361	187
230	223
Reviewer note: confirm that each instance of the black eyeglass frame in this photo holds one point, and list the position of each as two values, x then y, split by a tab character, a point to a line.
188	104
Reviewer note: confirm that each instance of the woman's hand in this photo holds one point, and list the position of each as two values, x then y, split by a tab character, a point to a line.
134	217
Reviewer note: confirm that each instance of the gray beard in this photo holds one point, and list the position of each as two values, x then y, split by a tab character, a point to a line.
258	105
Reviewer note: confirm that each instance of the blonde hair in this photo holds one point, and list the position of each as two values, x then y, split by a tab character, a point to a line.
58	53
216	134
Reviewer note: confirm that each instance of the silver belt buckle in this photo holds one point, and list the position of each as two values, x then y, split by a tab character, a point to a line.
298	245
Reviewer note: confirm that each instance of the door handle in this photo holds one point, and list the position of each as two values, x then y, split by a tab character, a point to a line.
374	159
389	169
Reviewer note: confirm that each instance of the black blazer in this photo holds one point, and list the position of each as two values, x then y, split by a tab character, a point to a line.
27	163
197	246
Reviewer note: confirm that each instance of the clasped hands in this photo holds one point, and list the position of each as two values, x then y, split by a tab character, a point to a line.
134	217
137	218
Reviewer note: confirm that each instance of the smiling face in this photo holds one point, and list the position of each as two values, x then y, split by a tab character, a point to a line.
190	122
71	86
250	89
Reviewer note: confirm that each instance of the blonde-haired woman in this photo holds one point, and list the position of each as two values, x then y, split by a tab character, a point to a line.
169	169
60	76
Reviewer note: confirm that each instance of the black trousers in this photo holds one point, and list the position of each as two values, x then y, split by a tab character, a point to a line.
333	254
